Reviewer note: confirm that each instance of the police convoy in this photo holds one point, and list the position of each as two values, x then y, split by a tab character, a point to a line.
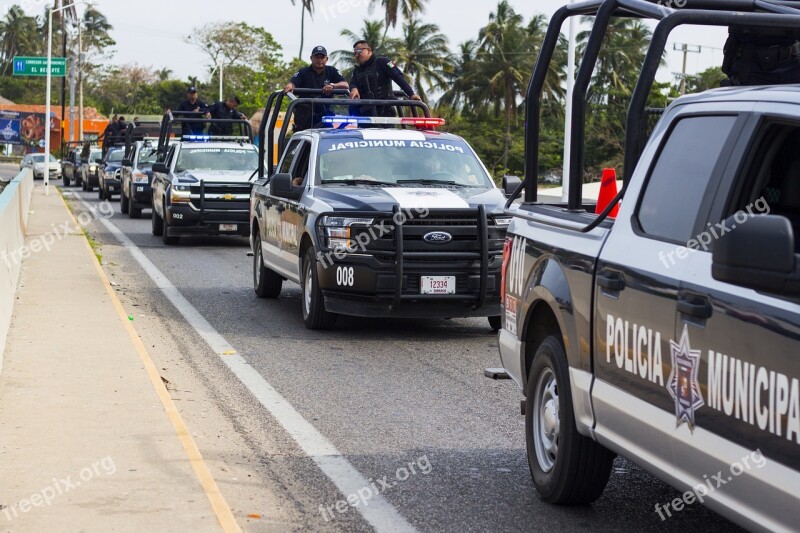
668	335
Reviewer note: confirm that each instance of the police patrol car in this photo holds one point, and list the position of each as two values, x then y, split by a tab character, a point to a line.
668	335
372	220
201	184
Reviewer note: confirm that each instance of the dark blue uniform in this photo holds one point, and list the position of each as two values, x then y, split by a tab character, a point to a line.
762	56
373	79
308	78
187	106
222	111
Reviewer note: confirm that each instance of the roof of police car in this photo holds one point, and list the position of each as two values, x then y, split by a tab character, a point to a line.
754	93
390	133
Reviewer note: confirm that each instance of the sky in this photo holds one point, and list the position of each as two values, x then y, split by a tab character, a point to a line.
152	32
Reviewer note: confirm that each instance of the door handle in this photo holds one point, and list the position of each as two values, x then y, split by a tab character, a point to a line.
695	306
611	281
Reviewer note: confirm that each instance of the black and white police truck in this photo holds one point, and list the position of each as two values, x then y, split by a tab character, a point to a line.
377	216
670	335
201	183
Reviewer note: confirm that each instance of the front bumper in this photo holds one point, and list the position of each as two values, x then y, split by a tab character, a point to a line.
184	220
113	186
373	291
53	173
141	194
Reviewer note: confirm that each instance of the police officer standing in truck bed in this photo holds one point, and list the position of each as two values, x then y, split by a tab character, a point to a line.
762	56
373	77
318	75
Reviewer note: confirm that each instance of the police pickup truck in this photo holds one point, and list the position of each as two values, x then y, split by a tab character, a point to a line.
375	220
670	335
141	151
201	183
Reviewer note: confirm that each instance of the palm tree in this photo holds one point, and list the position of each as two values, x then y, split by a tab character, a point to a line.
19	37
505	62
408	8
373	33
307	5
458	84
423	54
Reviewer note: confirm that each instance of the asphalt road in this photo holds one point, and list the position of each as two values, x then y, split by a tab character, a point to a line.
385	393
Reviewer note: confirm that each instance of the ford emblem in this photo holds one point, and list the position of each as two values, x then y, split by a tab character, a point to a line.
437	237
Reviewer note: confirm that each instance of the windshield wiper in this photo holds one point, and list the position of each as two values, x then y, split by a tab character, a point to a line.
356	181
427	181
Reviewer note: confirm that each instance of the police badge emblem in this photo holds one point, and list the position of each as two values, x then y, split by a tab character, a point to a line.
683	384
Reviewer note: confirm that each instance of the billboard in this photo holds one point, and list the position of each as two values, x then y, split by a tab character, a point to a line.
22	128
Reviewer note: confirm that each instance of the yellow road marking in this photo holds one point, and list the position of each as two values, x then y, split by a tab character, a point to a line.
218	503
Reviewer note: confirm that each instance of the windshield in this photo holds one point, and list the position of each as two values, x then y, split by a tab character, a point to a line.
96	155
39	158
400	162
115	156
147	155
245	158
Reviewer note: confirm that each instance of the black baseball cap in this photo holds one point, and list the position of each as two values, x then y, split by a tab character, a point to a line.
192	89
319	50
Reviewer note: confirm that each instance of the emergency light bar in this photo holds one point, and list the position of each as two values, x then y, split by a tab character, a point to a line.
212	138
420	122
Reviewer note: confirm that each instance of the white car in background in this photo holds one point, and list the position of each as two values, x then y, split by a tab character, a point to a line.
37	163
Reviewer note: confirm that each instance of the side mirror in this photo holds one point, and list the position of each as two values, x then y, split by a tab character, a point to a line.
160	168
280	185
127	163
510	184
758	254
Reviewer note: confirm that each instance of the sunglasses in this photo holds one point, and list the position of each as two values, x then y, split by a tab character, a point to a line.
359	50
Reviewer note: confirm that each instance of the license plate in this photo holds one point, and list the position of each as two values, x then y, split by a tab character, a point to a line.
228	227
438	285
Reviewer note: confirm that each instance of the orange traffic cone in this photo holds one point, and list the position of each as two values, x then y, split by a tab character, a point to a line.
608	190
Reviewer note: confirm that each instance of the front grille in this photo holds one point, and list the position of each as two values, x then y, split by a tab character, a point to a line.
223	189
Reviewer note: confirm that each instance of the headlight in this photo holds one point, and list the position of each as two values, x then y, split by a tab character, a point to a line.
336	231
139	177
92	168
180	194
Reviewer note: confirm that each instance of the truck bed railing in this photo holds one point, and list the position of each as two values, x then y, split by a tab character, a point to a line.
760	13
181	118
266	131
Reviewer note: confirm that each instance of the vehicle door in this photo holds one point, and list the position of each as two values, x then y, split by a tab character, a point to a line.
748	341
292	212
637	285
272	208
161	181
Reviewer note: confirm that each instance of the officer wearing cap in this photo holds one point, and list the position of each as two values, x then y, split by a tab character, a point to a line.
224	110
192	104
318	75
762	56
372	80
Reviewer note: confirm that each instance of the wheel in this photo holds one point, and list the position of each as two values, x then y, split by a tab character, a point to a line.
314	314
100	192
66	180
83	186
123	202
567	468
168	239
157	223
495	322
267	283
133	211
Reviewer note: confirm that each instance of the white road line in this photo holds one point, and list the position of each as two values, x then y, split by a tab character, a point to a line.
378	512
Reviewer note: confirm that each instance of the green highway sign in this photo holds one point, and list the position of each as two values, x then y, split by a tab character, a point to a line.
37	66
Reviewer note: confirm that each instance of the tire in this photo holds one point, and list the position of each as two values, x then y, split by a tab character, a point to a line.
157	223
83	186
267	283
566	467
66	180
314	313
123	202
495	322
133	211
168	239
100	192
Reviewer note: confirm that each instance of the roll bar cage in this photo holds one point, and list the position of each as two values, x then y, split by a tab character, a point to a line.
266	131
759	13
170	120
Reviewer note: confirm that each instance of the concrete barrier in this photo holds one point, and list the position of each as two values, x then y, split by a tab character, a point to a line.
15	202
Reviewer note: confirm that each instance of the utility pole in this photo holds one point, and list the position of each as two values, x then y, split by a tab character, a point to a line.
685	48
